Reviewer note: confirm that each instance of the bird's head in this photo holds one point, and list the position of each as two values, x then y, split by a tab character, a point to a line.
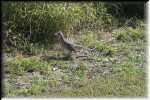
59	34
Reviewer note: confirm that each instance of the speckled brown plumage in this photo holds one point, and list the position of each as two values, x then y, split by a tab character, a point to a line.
64	42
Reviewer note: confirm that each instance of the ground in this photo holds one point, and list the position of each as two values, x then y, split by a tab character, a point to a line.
113	68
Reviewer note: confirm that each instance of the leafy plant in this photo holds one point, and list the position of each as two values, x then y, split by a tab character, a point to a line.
90	40
19	65
129	34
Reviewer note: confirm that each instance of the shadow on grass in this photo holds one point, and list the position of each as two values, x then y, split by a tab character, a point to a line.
64	58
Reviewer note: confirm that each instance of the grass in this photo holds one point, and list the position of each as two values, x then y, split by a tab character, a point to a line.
120	71
20	65
90	41
129	34
122	84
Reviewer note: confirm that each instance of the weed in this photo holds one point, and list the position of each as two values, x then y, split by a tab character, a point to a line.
90	41
20	65
129	34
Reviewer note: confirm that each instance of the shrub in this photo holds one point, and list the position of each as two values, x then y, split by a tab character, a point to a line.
37	22
129	34
19	65
90	40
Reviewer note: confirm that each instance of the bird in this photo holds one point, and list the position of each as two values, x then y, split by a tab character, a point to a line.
67	46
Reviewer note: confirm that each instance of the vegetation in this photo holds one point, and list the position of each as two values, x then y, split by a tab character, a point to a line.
112	49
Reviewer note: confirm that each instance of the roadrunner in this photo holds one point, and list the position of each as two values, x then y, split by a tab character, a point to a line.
68	47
